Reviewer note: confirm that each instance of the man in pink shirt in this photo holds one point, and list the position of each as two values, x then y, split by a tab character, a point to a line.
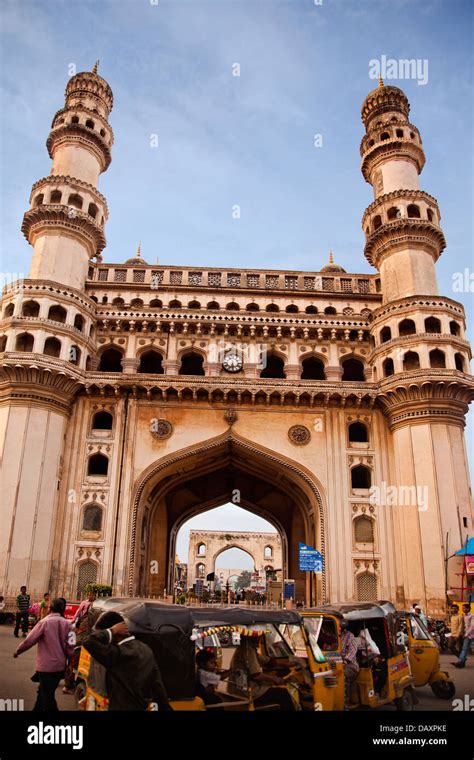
55	639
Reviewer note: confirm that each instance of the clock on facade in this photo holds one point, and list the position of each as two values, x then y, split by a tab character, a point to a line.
232	362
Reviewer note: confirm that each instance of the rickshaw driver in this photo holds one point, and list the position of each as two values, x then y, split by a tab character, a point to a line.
266	688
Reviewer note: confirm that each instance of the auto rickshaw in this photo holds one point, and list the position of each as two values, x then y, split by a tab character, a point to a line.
382	679
173	632
424	657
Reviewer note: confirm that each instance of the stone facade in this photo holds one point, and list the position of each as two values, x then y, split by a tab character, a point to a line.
135	396
205	546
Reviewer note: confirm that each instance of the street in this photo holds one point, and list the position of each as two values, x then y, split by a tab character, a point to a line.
16	684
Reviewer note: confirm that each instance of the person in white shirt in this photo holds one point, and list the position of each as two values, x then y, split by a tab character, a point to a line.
208	677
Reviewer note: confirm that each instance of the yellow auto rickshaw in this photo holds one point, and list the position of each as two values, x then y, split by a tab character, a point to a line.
424	656
384	675
174	633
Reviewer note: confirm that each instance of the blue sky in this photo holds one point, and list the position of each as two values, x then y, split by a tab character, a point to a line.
247	140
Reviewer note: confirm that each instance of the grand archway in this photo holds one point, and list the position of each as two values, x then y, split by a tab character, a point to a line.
227	468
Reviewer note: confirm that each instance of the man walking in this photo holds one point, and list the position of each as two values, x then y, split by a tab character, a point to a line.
55	641
22	607
132	676
468	636
456	624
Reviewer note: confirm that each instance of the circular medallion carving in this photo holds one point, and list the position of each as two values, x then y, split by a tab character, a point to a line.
299	435
161	429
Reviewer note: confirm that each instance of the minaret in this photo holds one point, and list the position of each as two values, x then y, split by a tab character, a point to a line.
420	356
402	225
49	332
65	222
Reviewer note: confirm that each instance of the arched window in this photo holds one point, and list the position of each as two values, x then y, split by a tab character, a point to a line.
399	132
89	124
393	213
3	343
191	364
454	328
75	120
364	530
52	347
98	464
437	359
213	306
118	302
292	309
24	342
406	327
360	477
413	211
87	574
92	210
74	355
92	519
57	314
272	307
385	334
200	570
102	421
56	196
330	310
274	368
201	550
358	432
430	215
136	303
377	222
88	364
79	322
30	309
194	305
366	587
411	361
155	303
151	363
252	307
353	370
175	304
432	325
385	136
459	362
39	200
388	368
268	552
75	200
311	310
110	361
312	369
232	306
9	310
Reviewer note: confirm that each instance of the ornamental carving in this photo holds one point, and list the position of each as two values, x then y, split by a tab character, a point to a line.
161	429
299	435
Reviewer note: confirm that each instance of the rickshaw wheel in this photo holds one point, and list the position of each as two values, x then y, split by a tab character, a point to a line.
406	702
443	689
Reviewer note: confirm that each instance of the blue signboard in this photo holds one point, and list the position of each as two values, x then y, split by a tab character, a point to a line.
310	559
288	589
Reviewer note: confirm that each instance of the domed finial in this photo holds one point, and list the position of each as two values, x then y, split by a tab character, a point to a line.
331	260
381	84
95	67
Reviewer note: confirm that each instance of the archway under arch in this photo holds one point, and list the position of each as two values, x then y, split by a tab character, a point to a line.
221	470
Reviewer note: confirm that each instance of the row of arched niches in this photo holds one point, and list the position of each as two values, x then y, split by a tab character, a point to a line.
400	343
